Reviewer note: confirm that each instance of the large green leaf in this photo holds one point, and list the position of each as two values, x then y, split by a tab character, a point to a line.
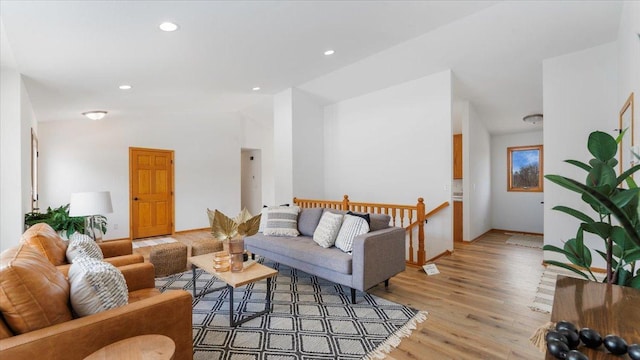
565	266
575	213
599	228
635	282
601	175
620	238
623	197
624	220
623	275
631	256
628	174
578	254
579	164
553	248
602	145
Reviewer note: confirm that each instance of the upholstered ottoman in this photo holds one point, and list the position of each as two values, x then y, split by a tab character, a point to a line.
205	246
169	258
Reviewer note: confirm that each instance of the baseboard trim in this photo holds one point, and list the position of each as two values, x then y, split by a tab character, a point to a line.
593	269
192	230
445	253
478	238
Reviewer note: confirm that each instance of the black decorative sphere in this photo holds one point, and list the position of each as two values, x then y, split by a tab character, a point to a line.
572	337
558	349
615	344
590	338
556	335
634	351
565	325
576	355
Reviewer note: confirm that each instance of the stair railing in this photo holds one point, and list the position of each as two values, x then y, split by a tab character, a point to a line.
405	216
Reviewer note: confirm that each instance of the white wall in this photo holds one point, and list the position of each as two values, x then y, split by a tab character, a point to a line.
393	146
308	146
283	146
629	60
580	96
515	211
27	122
11	215
83	155
477	178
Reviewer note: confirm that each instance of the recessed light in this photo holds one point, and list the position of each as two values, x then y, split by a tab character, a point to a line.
168	26
95	114
256	88
329	52
124	87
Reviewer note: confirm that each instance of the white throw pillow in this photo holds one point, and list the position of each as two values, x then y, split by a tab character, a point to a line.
282	221
327	229
96	286
81	245
352	226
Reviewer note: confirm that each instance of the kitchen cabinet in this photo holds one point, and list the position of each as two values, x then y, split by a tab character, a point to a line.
457	156
457	221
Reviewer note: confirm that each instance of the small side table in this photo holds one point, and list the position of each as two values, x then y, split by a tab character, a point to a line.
143	347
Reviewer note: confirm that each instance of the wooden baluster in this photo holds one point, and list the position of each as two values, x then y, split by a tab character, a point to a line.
401	217
345	203
394	216
422	255
411	246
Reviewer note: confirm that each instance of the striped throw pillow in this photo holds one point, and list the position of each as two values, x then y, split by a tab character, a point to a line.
282	221
327	229
81	245
352	226
96	286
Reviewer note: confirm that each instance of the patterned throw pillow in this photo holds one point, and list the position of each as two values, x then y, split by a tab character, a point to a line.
264	216
282	221
352	226
81	245
96	286
327	230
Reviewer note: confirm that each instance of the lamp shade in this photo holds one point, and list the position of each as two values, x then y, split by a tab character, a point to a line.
90	203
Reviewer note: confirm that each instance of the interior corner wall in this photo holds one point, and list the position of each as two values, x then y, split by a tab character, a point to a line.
477	176
308	146
27	123
257	133
393	146
283	146
81	155
514	210
629	60
11	215
579	97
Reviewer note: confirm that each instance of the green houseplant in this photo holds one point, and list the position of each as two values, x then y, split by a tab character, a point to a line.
617	220
61	222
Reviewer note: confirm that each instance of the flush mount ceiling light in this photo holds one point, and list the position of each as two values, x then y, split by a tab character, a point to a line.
329	52
124	87
257	88
168	26
533	118
95	115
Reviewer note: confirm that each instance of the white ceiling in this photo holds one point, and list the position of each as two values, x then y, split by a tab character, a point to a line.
75	54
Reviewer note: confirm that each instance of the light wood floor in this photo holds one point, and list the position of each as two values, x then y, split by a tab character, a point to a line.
478	304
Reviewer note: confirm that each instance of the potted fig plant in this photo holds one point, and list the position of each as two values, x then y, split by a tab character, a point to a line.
617	215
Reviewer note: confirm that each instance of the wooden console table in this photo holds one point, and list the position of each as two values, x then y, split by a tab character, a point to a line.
609	309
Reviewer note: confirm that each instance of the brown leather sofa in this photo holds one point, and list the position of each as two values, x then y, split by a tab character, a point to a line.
37	320
43	238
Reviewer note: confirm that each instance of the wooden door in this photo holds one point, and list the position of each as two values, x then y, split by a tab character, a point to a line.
151	192
457	156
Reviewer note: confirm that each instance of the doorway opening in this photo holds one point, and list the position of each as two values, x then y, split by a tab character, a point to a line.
251	180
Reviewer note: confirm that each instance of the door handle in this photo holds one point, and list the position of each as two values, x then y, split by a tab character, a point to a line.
135	199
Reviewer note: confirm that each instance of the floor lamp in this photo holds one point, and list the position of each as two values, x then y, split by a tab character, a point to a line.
89	205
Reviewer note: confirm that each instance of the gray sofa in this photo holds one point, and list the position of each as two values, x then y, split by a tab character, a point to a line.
376	257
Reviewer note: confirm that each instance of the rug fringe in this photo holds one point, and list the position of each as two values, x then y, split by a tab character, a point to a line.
538	337
394	339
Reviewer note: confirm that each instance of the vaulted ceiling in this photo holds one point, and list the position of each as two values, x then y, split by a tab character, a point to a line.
75	54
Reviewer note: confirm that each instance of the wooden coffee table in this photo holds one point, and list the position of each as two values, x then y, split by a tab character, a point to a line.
233	280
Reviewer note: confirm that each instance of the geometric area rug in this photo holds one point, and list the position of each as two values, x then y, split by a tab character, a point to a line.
311	318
